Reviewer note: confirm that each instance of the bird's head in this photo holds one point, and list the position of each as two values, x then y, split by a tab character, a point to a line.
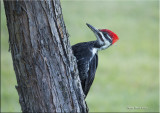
105	37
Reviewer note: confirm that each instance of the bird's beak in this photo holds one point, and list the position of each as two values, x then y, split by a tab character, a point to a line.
97	34
96	31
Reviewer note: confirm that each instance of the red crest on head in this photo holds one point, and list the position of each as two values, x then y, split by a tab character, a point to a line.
112	34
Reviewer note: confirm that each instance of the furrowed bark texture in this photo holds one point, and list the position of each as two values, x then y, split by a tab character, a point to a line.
45	67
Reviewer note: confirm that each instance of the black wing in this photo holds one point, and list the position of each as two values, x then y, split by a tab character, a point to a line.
87	64
91	73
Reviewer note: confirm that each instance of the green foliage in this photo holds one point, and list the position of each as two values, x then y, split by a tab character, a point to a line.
127	74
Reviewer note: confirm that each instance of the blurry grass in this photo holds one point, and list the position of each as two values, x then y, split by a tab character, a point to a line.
127	74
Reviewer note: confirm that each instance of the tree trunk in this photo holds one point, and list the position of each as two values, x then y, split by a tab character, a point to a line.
45	67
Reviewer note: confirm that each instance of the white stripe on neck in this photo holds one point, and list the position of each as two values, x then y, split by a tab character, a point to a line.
102	36
94	51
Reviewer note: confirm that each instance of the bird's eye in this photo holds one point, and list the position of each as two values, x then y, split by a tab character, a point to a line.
105	34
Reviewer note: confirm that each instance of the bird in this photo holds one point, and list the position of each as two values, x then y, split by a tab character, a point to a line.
86	54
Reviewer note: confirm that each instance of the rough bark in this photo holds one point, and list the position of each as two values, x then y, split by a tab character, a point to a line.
45	67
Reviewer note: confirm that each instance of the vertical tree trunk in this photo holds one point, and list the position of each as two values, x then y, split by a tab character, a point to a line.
45	67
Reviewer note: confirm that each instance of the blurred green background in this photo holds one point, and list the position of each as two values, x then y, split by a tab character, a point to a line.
127	74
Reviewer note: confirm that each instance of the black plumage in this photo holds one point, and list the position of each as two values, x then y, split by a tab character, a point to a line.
86	55
87	62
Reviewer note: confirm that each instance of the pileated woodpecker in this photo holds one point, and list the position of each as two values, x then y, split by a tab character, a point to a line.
86	54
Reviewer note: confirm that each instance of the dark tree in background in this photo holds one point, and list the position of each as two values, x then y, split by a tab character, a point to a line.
45	67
